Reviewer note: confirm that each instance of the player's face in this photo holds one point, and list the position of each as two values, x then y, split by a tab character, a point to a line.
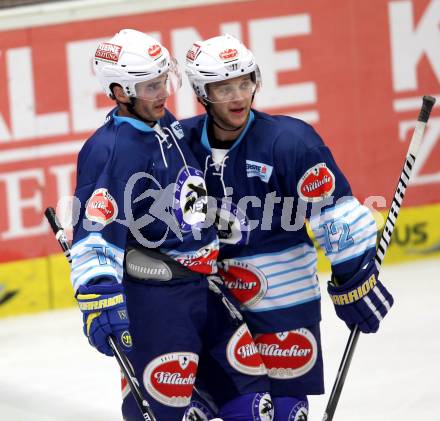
231	100
151	97
150	110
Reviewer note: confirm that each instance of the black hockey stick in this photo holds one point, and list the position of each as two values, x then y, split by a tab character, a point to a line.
428	103
121	358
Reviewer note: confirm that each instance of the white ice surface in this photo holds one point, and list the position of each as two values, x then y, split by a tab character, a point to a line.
48	372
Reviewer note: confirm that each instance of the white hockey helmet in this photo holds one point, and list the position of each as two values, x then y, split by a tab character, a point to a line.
216	59
131	57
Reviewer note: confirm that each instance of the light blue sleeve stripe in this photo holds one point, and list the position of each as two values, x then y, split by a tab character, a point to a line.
276	253
306	300
338	217
354	244
100	244
283	272
111	272
77	266
291	281
286	294
357	232
78	256
352	256
348	202
366	214
363	228
278	262
338	206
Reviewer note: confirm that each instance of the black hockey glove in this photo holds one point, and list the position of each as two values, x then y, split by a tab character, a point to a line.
362	300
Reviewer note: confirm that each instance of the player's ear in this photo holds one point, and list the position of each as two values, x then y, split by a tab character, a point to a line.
119	94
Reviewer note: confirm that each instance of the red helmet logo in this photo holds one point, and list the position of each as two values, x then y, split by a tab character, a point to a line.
228	54
192	53
155	51
108	52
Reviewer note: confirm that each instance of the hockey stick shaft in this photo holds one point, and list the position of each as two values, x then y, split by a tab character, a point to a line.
121	358
405	175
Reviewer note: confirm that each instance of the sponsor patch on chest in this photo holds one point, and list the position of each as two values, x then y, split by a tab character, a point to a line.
177	129
258	169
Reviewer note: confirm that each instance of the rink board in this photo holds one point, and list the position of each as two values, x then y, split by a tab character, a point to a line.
35	285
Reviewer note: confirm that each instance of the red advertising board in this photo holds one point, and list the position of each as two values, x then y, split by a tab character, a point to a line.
355	70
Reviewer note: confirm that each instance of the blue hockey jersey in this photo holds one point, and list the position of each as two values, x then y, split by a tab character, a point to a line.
277	174
139	186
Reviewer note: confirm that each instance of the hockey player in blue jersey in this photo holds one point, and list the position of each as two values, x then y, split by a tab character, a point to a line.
269	174
140	253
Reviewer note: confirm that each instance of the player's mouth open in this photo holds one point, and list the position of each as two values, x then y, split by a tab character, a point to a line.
237	110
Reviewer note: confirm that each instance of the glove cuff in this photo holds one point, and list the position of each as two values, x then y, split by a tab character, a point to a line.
98	298
355	288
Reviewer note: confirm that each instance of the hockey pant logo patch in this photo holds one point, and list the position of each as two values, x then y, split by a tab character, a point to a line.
170	378
242	353
288	355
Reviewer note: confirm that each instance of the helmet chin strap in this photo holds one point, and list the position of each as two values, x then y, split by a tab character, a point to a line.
130	107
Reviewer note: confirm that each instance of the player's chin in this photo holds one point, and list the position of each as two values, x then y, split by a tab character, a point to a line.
238	115
159	111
